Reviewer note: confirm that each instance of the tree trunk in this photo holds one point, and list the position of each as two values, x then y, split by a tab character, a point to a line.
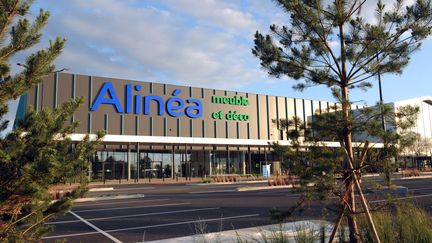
349	185
338	221
352	168
354	233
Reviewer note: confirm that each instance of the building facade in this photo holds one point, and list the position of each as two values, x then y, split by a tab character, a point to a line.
420	154
163	130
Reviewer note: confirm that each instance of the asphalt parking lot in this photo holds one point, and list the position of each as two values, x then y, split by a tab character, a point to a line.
174	210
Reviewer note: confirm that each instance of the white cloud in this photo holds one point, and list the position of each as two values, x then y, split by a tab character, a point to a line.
206	43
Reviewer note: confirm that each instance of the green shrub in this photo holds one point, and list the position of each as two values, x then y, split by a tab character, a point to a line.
405	223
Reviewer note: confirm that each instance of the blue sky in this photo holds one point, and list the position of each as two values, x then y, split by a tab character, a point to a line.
205	43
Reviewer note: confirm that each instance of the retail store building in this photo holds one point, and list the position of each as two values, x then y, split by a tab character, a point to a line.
164	130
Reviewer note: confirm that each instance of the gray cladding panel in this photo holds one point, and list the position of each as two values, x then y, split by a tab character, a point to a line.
64	88
281	113
47	93
261	109
129	125
262	116
272	116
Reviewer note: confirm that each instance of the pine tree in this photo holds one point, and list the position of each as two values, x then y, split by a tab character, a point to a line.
305	50
37	154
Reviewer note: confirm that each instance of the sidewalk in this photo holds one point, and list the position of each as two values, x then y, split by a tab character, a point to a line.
181	180
268	233
59	190
398	176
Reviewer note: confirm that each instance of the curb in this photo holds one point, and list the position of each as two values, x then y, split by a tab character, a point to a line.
93	199
290	231
416	177
227	183
101	189
259	188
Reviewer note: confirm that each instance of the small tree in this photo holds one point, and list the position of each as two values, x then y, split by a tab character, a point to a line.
304	51
37	154
320	168
418	146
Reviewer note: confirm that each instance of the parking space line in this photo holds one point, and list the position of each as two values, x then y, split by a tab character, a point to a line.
127	202
155	226
96	228
199	192
120	208
137	215
184	222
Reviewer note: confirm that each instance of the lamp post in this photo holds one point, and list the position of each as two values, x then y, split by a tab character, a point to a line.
383	125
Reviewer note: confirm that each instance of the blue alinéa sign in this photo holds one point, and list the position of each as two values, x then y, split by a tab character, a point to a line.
175	106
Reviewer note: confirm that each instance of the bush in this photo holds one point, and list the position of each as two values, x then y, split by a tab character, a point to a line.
400	223
410	172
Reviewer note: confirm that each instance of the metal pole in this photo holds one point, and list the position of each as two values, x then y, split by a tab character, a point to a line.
128	163
228	160
138	162
249	160
186	162
173	161
383	125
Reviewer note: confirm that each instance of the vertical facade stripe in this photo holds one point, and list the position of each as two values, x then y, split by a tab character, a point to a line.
295	111
258	117
55	98
41	96
312	118
226	130
36	99
238	130
248	130
215	129
151	88
106	124
203	128
178	127
164	89
89	123
280	134
73	94
304	112
191	128
151	126
268	117
286	113
165	128
137	125
90	91
121	125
